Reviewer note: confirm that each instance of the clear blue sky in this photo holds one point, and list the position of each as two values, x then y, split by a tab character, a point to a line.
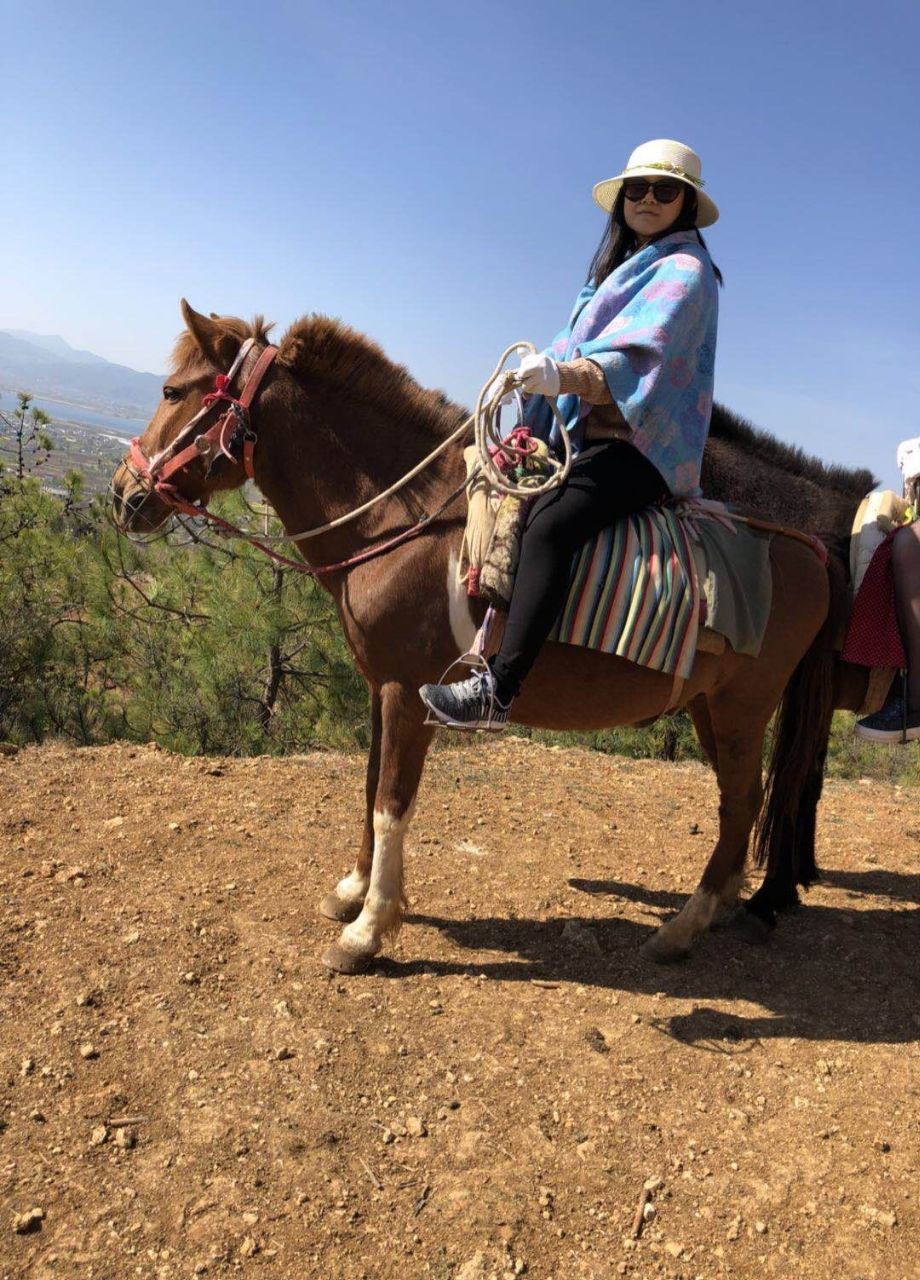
424	171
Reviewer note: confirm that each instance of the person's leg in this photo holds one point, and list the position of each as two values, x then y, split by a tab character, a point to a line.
606	481
905	561
893	723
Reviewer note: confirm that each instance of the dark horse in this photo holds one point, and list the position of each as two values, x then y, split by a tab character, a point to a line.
337	423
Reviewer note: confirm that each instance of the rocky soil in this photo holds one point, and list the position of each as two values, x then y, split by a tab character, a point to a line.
184	1091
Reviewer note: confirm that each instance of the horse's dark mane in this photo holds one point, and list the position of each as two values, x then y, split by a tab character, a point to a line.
322	349
741	433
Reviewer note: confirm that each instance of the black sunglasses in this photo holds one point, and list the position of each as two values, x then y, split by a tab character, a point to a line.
665	191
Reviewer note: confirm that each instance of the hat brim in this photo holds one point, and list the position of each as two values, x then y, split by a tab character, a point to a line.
605	194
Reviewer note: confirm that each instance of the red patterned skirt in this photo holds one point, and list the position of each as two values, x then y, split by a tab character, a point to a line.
873	638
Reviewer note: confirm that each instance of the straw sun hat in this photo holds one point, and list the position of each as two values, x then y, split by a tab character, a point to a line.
658	159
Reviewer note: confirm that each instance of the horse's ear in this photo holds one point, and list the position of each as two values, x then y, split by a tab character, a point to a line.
216	343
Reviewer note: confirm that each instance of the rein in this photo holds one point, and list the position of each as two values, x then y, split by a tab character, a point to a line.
232	530
234	430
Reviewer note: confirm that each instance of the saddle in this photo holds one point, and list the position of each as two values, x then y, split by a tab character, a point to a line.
655	588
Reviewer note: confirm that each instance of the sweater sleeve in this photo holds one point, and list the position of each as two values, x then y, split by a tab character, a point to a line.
584	378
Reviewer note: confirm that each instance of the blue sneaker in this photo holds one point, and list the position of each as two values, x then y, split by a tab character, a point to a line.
887	725
467	704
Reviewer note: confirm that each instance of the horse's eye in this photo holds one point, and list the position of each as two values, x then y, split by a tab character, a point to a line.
172	394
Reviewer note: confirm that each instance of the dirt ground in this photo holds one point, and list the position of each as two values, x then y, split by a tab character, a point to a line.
185	1091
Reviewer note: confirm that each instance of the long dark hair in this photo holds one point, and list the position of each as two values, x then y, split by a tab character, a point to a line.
619	241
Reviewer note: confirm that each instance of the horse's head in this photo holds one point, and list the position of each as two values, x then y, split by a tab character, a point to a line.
181	458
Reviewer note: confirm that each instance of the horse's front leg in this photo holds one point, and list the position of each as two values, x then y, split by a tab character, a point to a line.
404	743
347	898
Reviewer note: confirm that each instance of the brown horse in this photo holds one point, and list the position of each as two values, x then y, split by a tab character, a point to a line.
337	423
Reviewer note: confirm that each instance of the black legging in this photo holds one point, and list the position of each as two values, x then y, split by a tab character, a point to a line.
608	479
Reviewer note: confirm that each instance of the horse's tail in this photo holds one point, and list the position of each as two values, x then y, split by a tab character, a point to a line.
784	837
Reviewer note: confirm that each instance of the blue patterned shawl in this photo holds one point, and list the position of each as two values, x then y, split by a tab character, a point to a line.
651	326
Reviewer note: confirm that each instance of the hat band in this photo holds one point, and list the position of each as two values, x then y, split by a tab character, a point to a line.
669	167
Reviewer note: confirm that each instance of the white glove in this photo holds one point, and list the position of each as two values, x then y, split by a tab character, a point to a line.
539	375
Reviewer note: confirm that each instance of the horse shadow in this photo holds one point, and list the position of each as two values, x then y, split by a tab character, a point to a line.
888	884
828	973
666	898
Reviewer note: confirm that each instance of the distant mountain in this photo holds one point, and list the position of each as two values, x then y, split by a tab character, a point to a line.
57	346
48	366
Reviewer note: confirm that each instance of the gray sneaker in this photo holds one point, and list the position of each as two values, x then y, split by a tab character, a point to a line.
888	724
467	704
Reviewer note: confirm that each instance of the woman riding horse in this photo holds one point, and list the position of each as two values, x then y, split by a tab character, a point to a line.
235	406
634	372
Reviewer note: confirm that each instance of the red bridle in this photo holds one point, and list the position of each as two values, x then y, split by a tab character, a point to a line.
233	430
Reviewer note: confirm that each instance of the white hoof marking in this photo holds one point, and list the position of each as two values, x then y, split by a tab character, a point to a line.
353	887
383	904
695	918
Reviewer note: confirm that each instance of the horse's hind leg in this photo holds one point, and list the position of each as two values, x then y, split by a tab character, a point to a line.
347	898
738	741
791	861
702	722
404	743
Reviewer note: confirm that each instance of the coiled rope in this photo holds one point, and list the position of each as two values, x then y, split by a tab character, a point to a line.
487	419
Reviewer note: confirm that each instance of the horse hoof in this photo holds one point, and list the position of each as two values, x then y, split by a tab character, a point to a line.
662	952
335	908
750	928
724	917
339	960
790	905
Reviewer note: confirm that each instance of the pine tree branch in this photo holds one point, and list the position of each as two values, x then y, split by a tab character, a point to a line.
164	608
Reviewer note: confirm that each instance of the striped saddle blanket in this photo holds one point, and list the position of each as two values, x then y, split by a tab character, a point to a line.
635	592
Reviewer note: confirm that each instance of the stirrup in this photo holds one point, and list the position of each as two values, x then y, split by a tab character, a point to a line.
472	658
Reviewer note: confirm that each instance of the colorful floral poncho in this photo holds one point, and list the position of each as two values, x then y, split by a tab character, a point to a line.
651	326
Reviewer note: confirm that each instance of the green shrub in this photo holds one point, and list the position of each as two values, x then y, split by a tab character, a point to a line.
216	650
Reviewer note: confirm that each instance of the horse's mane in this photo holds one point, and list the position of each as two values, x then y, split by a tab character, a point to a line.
321	349
743	435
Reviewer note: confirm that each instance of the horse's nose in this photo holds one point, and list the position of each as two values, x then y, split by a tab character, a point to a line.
131	505
125	507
